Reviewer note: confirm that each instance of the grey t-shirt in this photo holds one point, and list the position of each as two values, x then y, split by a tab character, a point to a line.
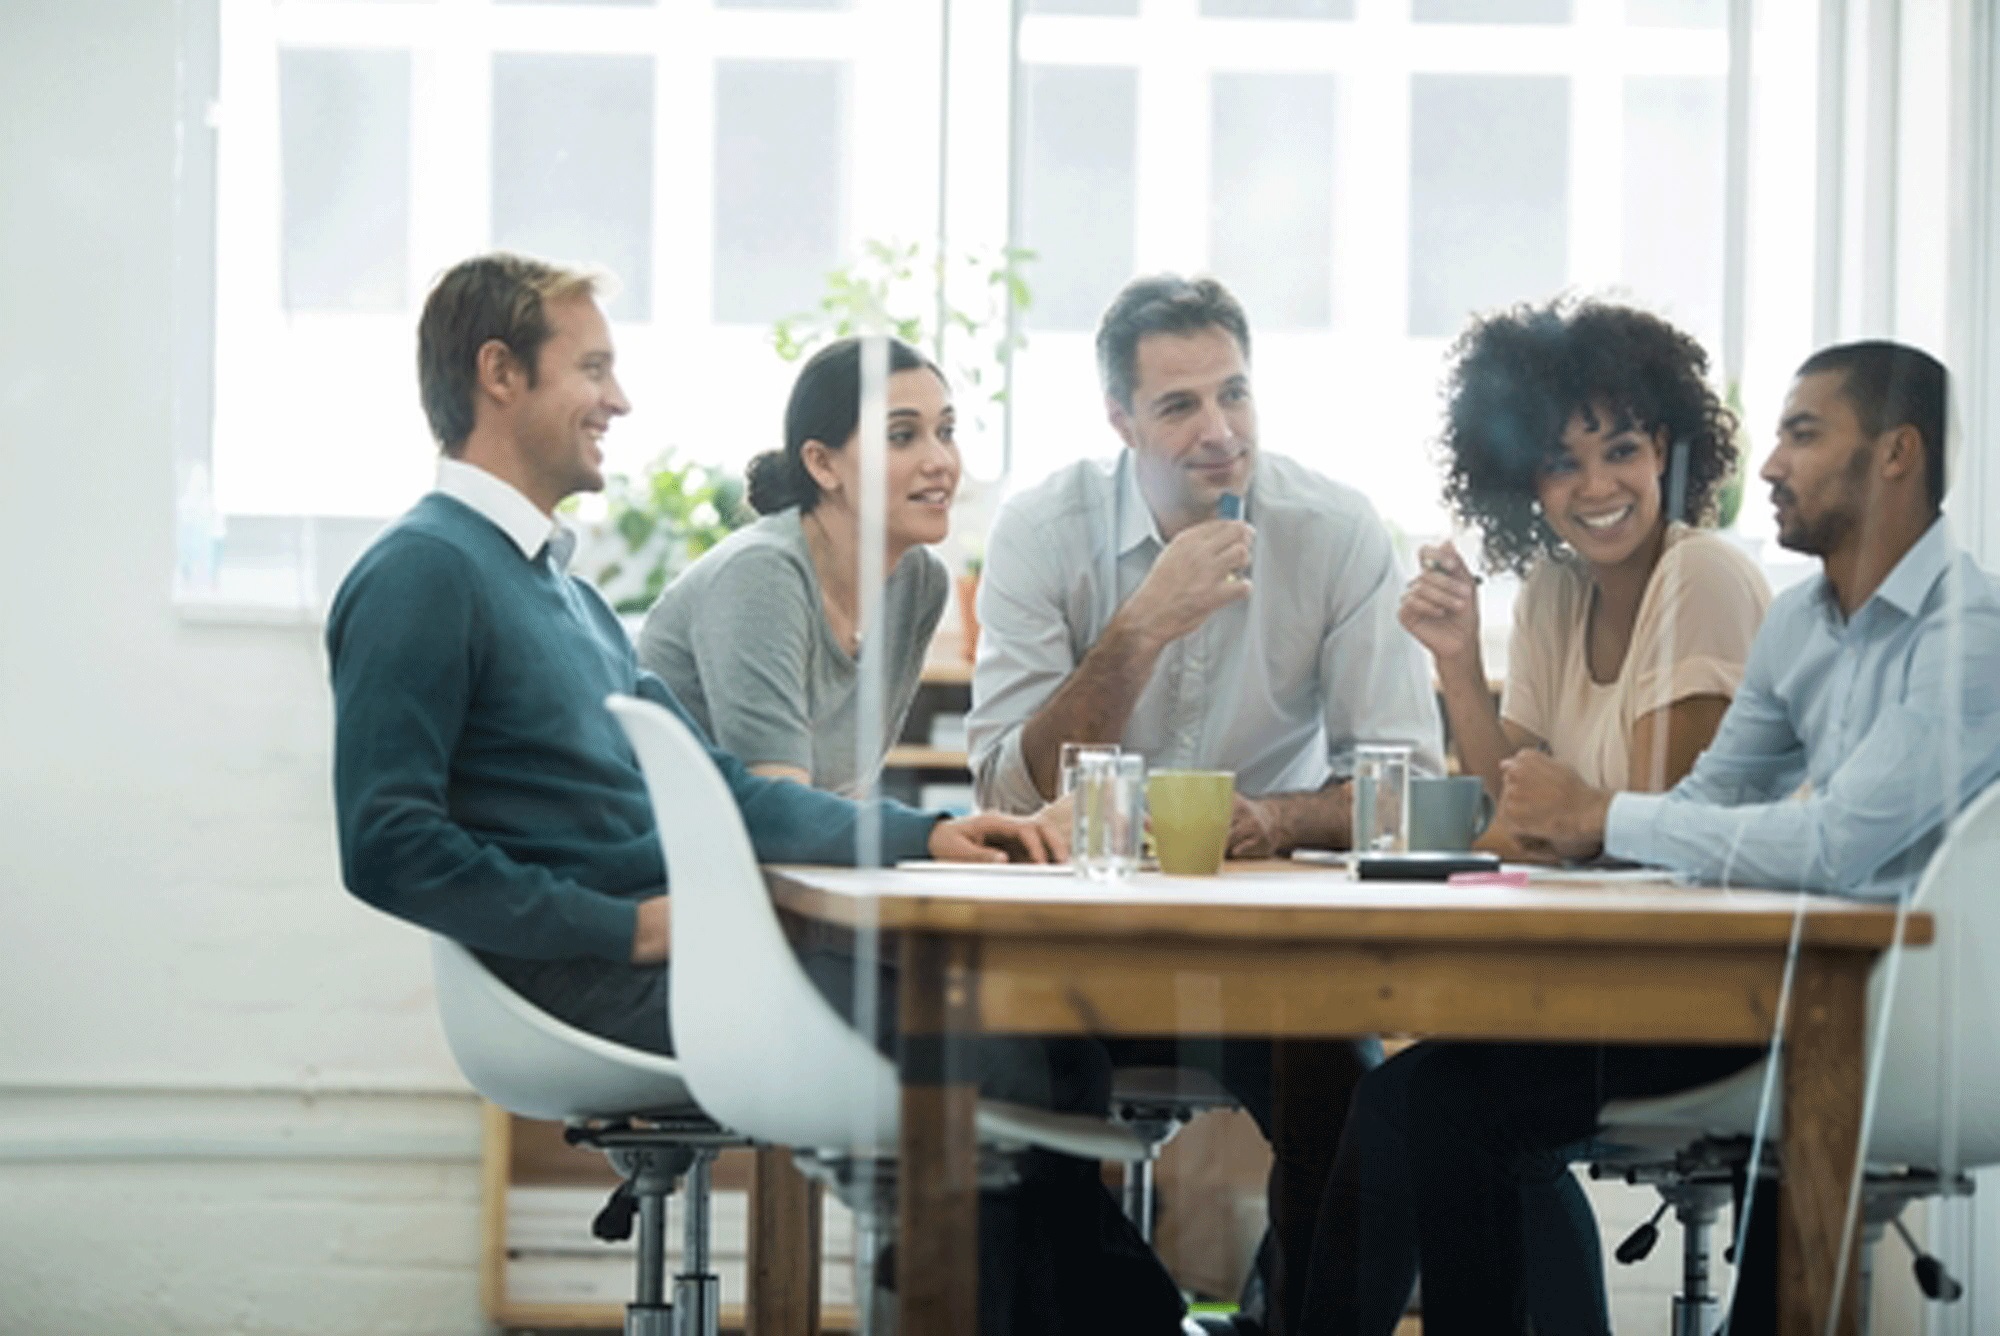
742	639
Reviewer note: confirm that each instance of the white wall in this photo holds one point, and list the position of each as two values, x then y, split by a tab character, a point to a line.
170	915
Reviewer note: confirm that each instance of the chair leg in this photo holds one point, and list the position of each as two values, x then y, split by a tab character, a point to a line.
1138	1196
697	1290
1696	1311
867	1187
648	1314
869	1237
650	1173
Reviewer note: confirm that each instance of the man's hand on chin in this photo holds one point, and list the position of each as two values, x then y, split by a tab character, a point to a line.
991	837
1547	804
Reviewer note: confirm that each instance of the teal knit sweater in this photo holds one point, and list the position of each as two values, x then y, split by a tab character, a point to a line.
483	790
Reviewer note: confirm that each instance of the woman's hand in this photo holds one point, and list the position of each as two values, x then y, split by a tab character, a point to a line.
990	837
1441	606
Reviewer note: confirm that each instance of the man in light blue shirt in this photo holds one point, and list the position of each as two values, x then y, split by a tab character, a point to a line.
1869	713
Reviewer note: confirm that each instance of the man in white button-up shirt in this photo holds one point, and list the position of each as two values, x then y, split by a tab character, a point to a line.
1117	606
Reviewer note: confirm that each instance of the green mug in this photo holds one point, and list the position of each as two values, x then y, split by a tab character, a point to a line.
1447	814
1189	811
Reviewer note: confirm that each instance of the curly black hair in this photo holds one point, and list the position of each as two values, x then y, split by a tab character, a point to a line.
1518	376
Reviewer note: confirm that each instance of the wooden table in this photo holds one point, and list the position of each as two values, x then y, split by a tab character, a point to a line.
1283	949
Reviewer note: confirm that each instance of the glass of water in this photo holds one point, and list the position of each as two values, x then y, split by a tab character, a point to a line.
1072	752
1109	817
1382	798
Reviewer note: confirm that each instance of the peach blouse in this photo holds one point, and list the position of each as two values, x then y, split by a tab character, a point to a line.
1700	611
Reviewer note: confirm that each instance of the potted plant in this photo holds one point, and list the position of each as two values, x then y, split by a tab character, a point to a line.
654	525
958	306
968	606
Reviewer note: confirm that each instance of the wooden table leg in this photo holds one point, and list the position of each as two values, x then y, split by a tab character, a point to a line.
783	1291
937	1192
1824	1073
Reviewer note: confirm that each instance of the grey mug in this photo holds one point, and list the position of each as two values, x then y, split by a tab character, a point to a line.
1447	815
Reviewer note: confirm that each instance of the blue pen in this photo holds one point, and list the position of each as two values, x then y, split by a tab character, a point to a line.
1229	506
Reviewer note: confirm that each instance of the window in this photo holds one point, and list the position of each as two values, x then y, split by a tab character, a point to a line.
719	157
1364	176
1080	130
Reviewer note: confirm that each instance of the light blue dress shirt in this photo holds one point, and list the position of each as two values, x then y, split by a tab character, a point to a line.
1890	718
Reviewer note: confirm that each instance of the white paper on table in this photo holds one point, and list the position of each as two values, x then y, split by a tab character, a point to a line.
1540	874
1013	869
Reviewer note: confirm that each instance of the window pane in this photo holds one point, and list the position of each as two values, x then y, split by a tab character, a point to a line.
1271	195
1119	7
1278	9
780	187
345	126
1675	145
1678	13
1490	11
1078	192
573	166
1489	182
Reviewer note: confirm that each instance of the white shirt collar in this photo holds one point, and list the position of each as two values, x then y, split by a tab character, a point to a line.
509	511
1135	518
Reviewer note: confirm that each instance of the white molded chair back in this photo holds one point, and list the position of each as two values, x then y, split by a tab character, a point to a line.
529	1063
762	1049
1943	1041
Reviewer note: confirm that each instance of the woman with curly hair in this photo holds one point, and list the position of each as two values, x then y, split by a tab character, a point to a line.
1581	438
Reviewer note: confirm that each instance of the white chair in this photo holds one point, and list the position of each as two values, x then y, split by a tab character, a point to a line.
761	1049
630	1104
1940	1054
1156	1103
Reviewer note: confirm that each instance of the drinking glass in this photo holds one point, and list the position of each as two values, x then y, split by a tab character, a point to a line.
1109	816
1382	798
1072	752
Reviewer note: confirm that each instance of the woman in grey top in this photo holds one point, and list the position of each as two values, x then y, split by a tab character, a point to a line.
760	637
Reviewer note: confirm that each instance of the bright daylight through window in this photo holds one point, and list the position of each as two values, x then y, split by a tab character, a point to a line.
1365	174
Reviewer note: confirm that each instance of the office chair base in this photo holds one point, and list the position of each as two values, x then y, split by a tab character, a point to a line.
649	1320
697	1305
1696	1317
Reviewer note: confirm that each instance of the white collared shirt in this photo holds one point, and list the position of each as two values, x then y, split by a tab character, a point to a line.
512	513
1279	688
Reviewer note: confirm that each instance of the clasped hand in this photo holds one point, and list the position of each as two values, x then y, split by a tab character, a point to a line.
1548	807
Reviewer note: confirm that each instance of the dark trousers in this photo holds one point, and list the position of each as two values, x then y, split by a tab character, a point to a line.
1483	1120
1297	1091
1364	1260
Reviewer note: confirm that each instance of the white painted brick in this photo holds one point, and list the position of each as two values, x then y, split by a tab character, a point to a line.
239	1249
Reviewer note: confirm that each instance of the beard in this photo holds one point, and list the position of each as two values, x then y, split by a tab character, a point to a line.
1818	535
